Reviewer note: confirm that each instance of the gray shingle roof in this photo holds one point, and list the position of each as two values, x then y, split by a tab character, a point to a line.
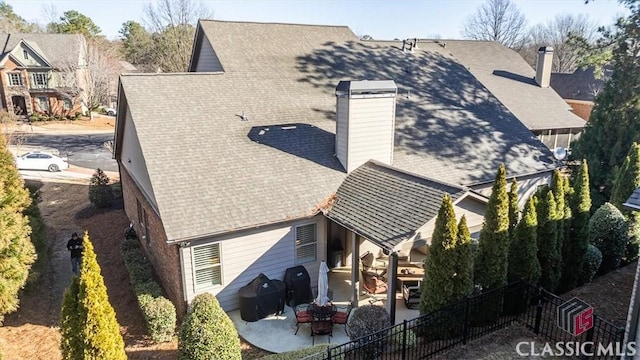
387	206
510	79
578	85
212	172
58	49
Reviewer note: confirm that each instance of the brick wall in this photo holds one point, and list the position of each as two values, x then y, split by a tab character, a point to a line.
165	258
581	108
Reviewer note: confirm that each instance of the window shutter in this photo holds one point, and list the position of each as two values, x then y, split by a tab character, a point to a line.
206	264
306	243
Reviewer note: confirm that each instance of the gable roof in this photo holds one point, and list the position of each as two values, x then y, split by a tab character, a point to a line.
57	49
280	164
386	205
578	85
511	80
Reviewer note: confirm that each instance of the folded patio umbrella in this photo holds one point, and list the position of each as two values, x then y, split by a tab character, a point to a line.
323	285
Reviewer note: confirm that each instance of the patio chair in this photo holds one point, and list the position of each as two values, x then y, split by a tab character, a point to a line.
342	315
373	286
303	315
367	260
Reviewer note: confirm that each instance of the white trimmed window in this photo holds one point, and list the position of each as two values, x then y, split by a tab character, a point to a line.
306	243
39	79
15	78
207	268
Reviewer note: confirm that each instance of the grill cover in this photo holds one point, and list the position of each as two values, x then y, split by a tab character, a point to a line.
298	285
261	297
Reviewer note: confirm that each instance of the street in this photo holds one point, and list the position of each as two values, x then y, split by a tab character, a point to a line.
83	150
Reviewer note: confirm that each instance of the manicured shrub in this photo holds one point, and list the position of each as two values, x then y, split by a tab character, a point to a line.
159	313
396	340
367	320
207	332
100	193
592	262
514	209
298	354
70	323
608	232
626	181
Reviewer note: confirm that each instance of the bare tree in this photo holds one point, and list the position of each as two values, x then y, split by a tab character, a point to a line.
558	33
173	24
497	20
92	83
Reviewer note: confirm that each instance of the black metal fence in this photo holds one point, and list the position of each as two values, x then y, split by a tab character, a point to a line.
472	318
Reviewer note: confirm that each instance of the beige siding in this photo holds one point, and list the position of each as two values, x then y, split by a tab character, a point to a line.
342	129
371	126
32	60
267	250
207	60
133	160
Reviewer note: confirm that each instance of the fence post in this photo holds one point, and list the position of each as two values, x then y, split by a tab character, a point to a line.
589	339
536	326
404	340
466	320
328	352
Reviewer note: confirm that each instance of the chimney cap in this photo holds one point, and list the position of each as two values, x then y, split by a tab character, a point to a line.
546	49
366	87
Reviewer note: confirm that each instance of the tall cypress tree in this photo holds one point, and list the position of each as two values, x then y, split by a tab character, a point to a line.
579	234
626	181
548	254
438	287
17	252
557	187
514	209
99	327
71	342
523	253
491	262
463	285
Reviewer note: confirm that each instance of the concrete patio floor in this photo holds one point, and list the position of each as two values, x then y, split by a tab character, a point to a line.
276	333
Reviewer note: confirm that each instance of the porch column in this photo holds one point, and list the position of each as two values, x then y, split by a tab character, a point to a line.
355	270
392	271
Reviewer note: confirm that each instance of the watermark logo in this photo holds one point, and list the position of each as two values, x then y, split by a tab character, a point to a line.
575	316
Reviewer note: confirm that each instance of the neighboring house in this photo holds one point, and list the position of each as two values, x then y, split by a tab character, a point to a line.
42	73
579	88
259	159
522	90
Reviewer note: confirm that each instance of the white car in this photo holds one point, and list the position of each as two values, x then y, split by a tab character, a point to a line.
41	161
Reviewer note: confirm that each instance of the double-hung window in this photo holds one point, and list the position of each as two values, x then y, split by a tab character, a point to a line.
39	79
15	78
207	267
306	243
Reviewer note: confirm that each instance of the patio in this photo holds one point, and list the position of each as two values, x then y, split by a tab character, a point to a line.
276	333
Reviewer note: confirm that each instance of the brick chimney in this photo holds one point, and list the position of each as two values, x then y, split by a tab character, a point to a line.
365	124
543	66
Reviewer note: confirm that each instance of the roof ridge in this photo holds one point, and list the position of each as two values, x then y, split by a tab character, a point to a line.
412	174
271	23
187	73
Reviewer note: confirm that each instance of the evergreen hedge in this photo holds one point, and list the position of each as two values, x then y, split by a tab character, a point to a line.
523	253
592	262
548	251
159	312
574	257
207	332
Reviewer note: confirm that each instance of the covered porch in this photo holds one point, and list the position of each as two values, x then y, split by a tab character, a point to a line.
276	333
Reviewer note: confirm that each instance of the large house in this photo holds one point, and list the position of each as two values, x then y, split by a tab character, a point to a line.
42	73
580	88
284	142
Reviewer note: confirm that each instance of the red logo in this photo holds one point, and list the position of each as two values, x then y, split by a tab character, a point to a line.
575	316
